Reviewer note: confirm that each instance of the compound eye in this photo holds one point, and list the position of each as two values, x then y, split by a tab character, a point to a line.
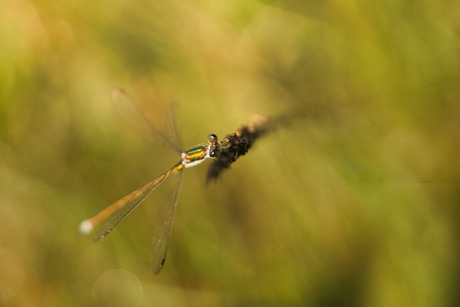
212	154
212	138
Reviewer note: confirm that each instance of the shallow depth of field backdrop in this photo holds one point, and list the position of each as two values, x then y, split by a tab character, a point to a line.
354	204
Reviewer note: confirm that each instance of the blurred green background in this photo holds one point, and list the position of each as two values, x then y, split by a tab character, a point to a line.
356	204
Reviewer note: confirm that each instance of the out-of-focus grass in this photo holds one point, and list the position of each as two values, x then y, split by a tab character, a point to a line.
354	205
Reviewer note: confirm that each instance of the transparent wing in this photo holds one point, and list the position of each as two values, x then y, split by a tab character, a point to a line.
172	128
106	220
163	231
132	114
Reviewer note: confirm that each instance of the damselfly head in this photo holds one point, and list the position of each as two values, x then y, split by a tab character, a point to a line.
213	147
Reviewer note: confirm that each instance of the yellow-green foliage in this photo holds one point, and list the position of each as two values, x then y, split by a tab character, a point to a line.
354	204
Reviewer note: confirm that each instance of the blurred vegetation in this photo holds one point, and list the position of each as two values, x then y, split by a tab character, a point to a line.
357	204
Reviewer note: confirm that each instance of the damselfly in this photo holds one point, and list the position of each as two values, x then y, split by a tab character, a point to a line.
109	218
224	154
